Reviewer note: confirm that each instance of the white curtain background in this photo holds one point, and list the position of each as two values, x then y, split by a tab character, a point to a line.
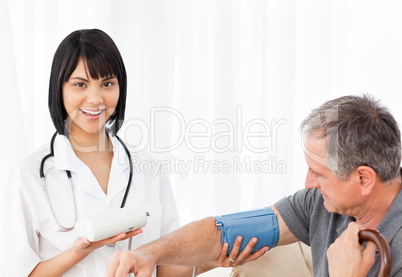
220	86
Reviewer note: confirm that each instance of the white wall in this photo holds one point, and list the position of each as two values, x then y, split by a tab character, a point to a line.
210	63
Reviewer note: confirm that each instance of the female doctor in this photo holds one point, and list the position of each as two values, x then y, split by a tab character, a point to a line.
84	171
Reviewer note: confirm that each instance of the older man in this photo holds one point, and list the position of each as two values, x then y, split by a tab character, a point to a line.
353	152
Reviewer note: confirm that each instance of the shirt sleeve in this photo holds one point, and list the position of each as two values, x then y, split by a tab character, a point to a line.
19	238
296	211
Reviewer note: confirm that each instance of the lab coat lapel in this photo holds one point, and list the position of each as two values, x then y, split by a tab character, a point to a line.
65	159
64	156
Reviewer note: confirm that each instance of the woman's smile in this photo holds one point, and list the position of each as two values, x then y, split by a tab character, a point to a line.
92	114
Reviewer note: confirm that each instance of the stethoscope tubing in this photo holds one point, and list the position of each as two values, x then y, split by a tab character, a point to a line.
130	177
68	173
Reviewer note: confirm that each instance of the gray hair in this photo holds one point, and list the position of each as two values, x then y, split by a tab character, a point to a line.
359	131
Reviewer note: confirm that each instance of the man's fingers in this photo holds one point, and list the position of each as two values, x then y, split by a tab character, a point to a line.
124	262
369	252
352	230
112	265
123	269
119	265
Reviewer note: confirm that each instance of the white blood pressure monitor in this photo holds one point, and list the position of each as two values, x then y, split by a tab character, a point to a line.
111	223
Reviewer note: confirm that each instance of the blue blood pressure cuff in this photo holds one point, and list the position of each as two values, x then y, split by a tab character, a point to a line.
261	224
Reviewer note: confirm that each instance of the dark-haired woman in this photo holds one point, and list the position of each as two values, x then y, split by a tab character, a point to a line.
87	98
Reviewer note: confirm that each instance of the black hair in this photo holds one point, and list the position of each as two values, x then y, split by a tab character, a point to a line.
102	59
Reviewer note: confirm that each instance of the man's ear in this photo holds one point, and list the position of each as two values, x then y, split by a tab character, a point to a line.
368	178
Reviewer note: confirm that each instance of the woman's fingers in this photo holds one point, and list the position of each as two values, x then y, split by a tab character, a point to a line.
112	240
133	233
86	245
121	236
81	243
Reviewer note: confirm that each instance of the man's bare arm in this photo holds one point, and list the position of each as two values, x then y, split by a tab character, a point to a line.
200	242
285	237
194	244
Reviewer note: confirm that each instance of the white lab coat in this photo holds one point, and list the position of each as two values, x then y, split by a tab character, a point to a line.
29	232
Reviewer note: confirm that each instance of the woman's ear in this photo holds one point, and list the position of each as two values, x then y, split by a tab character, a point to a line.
368	178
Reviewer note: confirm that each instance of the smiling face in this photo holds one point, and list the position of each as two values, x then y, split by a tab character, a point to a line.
89	103
340	196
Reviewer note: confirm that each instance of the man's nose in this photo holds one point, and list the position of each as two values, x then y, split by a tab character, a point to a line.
311	180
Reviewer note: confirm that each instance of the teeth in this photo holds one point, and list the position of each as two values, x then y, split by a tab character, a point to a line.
92	113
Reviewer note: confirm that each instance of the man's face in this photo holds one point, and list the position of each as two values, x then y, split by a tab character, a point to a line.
340	196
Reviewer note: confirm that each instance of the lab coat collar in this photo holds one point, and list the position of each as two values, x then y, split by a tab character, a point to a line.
118	176
64	155
65	159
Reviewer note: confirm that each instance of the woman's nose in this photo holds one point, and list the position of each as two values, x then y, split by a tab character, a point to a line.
95	96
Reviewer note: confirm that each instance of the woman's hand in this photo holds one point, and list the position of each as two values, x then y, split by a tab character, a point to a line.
61	263
235	258
83	245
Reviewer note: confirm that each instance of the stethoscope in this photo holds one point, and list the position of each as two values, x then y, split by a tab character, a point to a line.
68	173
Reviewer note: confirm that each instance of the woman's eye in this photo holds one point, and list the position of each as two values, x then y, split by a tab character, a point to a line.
80	85
108	84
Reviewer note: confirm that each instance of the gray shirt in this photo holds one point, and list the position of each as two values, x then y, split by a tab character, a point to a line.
306	217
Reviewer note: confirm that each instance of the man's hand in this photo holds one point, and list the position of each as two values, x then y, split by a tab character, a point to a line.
235	258
124	262
346	257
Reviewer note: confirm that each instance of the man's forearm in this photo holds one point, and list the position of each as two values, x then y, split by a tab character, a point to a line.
196	243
